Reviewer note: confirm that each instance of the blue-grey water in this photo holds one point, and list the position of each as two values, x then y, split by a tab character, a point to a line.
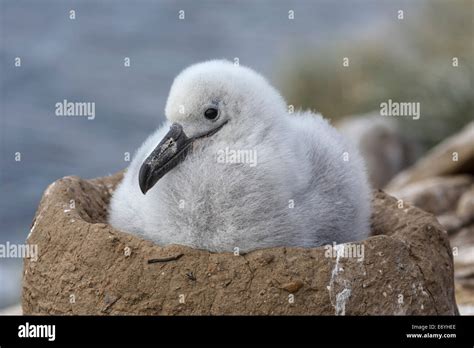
83	60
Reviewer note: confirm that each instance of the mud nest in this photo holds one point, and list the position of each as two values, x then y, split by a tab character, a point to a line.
85	266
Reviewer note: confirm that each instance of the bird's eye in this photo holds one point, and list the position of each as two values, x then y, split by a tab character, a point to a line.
211	113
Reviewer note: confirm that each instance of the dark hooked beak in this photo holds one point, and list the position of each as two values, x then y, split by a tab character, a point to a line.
170	152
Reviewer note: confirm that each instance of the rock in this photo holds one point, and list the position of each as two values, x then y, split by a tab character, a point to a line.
463	246
465	208
85	266
463	250
385	149
442	183
451	222
436	195
455	155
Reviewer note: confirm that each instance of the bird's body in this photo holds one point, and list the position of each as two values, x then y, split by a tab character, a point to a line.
264	178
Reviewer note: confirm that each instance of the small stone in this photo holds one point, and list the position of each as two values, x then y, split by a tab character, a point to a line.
292	287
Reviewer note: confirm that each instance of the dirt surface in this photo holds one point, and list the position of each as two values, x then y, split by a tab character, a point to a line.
87	267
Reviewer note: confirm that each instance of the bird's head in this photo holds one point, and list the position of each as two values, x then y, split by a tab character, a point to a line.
206	101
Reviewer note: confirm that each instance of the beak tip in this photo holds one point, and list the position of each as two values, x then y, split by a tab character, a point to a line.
143	189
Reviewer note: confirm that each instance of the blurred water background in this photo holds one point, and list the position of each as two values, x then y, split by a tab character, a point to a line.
83	60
